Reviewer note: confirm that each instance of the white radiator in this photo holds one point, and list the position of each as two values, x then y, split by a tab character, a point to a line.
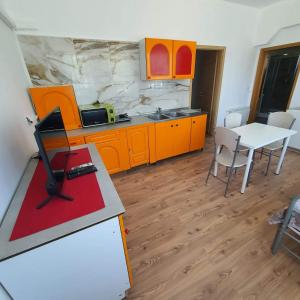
244	111
295	139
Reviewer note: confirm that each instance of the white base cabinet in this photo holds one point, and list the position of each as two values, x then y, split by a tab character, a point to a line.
89	264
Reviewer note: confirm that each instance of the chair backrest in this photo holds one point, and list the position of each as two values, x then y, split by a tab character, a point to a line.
233	120
226	137
281	119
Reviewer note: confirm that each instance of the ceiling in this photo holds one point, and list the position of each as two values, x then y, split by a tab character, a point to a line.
255	3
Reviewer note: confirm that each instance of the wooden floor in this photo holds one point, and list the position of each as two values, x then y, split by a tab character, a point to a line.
186	241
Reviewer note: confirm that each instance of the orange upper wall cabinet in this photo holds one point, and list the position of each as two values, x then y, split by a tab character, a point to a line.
167	59
45	99
156	58
184	55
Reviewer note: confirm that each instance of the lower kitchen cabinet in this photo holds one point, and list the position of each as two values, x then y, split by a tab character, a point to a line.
128	147
172	138
62	142
112	147
198	132
55	142
164	140
138	145
76	140
182	135
91	263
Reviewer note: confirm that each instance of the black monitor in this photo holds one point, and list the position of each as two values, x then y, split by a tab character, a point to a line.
54	150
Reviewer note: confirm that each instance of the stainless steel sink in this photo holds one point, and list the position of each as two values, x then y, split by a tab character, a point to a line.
174	114
158	117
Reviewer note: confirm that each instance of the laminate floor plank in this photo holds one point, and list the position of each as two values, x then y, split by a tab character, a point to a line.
186	241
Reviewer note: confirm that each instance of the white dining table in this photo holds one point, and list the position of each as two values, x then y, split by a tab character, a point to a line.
257	135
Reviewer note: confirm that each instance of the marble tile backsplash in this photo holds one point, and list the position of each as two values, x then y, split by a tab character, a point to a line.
104	70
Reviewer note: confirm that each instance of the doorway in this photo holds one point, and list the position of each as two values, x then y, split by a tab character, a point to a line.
206	85
276	76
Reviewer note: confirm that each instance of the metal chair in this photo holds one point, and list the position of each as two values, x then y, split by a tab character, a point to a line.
230	157
288	228
278	119
234	120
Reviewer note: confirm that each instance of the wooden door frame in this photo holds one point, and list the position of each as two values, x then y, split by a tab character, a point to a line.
260	71
221	50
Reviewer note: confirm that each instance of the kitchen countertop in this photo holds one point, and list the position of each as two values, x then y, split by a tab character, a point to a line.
135	120
113	207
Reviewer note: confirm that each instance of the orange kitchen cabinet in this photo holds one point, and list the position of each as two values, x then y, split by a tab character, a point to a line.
198	132
112	147
56	142
138	145
111	155
172	138
182	136
45	99
76	140
167	59
184	55
103	136
123	234
164	134
152	143
156	58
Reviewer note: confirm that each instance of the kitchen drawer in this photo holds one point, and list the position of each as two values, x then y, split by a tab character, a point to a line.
105	136
76	140
55	143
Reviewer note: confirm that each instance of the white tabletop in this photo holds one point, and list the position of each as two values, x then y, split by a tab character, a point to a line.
257	135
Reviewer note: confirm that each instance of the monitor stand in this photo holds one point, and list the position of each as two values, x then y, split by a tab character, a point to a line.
49	198
52	189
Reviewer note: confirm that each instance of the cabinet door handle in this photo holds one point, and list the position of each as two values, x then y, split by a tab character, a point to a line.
172	125
176	125
194	122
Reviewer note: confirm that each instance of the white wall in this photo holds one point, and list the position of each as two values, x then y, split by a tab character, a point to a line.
16	136
277	25
274	18
210	22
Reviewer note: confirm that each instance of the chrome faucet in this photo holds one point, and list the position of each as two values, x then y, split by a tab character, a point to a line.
158	111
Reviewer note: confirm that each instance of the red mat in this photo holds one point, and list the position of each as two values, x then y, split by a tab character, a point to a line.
85	191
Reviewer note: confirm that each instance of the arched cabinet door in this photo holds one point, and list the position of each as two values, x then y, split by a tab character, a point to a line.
159	58
111	155
45	99
184	53
112	147
138	145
